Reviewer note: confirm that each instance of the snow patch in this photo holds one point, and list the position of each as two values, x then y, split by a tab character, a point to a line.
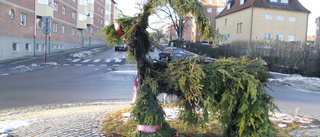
24	68
10	125
299	82
84	54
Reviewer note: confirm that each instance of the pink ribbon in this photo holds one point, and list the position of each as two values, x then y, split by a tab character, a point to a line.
147	129
117	28
135	86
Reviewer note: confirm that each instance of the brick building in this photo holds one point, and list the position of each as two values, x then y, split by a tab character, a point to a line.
74	24
211	9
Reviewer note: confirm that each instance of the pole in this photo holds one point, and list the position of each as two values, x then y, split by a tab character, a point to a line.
225	50
45	51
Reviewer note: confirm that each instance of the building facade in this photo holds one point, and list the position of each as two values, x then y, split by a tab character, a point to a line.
211	8
73	24
264	20
317	38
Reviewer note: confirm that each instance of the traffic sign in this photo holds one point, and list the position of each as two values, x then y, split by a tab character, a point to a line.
227	37
46	19
46	30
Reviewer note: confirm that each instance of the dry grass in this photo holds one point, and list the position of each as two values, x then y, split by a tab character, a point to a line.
115	126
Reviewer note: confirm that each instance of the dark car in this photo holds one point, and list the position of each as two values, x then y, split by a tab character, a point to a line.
170	53
121	47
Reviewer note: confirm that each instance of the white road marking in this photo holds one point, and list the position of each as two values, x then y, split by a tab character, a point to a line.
116	65
78	65
103	65
108	60
118	60
87	60
75	60
109	69
90	65
66	64
97	60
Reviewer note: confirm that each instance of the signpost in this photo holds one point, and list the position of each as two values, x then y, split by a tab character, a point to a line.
46	30
226	37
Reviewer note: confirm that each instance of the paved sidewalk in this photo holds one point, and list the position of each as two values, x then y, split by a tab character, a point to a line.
84	119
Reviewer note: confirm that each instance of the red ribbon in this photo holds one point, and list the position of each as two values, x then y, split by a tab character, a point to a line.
117	28
147	129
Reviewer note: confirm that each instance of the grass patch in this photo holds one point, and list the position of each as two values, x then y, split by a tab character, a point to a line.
118	125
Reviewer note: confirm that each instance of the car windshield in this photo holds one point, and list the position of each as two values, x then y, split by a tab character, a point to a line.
178	51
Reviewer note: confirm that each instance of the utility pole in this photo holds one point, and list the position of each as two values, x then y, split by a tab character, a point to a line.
46	30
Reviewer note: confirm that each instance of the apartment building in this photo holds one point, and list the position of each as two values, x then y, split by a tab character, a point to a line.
317	39
211	9
73	24
264	20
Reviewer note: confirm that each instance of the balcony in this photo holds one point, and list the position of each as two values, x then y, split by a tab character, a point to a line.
82	14
44	8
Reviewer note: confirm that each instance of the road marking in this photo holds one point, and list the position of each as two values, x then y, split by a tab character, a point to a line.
118	60
103	65
87	60
78	65
116	65
91	65
108	60
76	60
66	64
97	60
109	69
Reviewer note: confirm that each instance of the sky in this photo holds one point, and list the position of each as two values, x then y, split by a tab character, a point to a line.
128	8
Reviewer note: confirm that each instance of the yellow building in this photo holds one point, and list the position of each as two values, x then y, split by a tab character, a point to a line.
264	20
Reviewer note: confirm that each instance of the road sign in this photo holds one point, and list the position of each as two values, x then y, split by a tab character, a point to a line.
46	19
46	30
227	37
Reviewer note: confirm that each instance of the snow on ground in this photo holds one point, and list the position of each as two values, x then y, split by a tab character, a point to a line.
86	53
9	125
24	68
297	81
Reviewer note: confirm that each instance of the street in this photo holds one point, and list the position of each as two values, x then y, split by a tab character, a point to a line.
107	76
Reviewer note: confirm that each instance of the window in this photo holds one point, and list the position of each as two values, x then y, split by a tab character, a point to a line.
285	1
15	47
267	36
73	31
98	8
42	1
101	21
291	38
83	2
92	2
11	14
279	37
63	29
228	6
38	47
98	20
79	32
219	9
56	6
209	10
239	27
101	10
73	15
241	2
292	19
43	47
90	14
74	1
91	29
280	18
268	16
64	10
209	1
23	19
28	47
40	23
50	3
82	17
225	22
192	33
55	27
273	0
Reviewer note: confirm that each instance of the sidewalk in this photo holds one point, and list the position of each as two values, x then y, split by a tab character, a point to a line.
77	119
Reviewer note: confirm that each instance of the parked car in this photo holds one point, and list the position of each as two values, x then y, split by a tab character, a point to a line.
121	47
170	53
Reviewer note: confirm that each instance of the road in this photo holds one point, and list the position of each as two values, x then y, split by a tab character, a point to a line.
108	76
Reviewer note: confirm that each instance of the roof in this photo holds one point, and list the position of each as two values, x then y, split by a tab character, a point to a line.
294	5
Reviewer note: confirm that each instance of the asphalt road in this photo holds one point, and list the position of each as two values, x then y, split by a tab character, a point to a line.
107	76
99	77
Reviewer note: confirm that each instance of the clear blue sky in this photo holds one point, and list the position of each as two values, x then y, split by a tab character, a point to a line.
128	8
